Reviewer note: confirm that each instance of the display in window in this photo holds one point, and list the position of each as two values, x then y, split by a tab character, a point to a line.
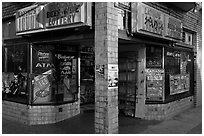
55	74
172	61
155	84
185	61
14	80
179	83
14	84
87	74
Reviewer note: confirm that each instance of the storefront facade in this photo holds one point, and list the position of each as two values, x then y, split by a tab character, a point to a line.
157	81
41	78
131	58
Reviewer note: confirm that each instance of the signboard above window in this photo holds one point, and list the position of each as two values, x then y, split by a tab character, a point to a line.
29	18
173	28
150	20
53	16
155	23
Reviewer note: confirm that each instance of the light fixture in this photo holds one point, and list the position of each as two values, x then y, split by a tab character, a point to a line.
198	6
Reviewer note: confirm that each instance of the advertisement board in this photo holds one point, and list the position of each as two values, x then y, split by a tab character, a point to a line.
155	84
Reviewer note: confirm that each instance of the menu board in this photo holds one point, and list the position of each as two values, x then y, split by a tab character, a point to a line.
179	83
155	84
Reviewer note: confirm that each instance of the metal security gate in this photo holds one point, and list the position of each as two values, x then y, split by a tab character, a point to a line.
128	82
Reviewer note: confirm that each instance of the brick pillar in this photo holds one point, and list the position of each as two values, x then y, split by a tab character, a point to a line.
106	57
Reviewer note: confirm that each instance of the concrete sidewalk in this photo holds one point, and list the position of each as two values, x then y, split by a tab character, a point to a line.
190	121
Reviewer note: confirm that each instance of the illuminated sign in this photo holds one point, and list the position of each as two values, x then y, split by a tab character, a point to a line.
150	20
173	28
53	16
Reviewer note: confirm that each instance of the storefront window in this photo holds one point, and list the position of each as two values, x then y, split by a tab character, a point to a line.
87	74
14	77
178	73
154	57
55	74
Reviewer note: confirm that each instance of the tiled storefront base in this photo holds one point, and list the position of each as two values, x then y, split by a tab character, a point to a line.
33	115
166	111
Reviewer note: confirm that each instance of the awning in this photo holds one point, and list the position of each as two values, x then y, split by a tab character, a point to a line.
185	6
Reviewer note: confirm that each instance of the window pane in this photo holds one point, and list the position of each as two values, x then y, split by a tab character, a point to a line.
178	73
55	74
153	57
14	79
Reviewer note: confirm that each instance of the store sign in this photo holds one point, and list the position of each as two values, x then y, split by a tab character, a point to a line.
52	16
58	14
155	23
150	20
30	18
173	28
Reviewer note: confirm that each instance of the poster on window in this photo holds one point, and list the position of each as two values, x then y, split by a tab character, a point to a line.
155	84
42	90
66	66
42	61
179	83
112	76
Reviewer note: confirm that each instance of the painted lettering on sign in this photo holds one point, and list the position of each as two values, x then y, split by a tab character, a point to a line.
44	65
152	21
29	18
58	14
173	28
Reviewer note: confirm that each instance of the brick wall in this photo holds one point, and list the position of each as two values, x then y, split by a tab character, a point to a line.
166	111
33	115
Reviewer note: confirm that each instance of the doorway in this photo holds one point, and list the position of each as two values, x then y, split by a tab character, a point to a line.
127	92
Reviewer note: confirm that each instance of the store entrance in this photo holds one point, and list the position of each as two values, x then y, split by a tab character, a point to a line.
127	92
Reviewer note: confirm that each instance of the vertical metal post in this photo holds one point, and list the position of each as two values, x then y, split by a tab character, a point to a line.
30	91
163	55
79	73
